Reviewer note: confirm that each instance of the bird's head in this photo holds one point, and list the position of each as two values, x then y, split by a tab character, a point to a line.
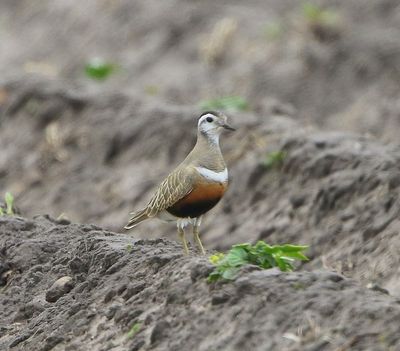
211	124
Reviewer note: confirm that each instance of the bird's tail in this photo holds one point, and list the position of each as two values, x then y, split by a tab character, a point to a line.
136	218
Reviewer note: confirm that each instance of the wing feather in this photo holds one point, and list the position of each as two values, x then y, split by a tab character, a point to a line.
175	187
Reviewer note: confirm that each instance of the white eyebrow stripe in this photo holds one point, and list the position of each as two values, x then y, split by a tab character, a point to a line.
205	116
212	175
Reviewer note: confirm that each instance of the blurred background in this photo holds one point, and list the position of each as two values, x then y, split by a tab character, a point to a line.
332	63
99	101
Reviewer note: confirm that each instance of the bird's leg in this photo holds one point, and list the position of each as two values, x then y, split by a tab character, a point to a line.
196	227
181	234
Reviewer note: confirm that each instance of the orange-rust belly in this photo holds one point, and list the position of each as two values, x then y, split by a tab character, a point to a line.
202	199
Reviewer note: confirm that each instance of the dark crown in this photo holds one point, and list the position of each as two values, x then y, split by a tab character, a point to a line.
214	113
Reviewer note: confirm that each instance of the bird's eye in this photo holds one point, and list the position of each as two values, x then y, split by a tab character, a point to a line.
209	119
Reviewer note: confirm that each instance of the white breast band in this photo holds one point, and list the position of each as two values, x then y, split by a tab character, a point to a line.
221	177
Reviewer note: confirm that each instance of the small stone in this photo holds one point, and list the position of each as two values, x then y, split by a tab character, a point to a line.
219	299
297	200
63	221
59	288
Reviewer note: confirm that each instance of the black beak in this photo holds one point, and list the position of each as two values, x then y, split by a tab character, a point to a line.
228	127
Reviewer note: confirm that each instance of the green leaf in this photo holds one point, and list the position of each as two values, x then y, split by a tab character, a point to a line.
311	11
134	330
151	89
99	69
274	159
316	14
9	203
292	248
267	261
273	30
214	276
227	103
236	257
263	247
230	273
245	246
260	254
1	212
295	255
282	264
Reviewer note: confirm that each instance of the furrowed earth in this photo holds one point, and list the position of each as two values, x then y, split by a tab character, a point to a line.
315	160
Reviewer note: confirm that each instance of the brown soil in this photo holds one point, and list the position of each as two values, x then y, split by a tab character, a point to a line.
110	283
91	152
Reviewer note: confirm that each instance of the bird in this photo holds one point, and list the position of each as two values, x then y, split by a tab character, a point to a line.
195	186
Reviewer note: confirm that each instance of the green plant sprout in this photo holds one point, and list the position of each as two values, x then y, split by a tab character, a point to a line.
274	159
227	103
151	90
273	30
317	15
99	69
261	254
134	330
9	200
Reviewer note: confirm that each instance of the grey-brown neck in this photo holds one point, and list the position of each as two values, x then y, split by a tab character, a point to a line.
207	153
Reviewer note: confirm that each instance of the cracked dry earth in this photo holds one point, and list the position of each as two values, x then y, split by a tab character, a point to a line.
79	287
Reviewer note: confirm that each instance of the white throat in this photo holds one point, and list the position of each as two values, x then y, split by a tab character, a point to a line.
220	177
213	137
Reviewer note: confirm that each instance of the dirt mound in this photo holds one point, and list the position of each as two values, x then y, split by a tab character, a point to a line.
78	287
337	192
